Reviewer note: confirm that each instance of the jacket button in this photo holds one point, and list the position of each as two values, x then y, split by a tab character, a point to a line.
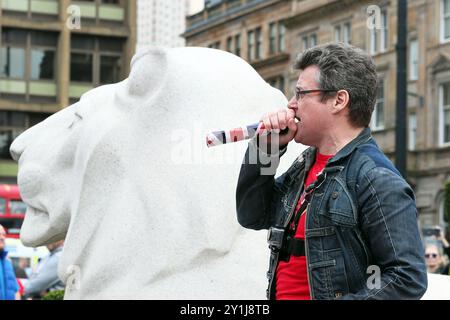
335	194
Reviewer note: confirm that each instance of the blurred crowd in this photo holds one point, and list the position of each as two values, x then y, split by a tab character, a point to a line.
437	250
19	282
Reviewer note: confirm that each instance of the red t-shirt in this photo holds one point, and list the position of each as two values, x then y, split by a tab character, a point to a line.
292	279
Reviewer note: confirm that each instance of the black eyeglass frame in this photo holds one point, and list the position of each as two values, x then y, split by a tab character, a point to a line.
303	92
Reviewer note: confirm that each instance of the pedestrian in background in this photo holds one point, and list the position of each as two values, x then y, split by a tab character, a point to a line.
435	259
45	278
437	253
8	282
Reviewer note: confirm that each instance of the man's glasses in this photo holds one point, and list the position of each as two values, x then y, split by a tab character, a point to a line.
300	94
431	255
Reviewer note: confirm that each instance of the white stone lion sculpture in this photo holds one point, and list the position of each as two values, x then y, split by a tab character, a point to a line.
124	175
147	210
438	287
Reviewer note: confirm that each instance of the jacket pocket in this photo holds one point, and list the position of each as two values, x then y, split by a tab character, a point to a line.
339	206
338	275
330	275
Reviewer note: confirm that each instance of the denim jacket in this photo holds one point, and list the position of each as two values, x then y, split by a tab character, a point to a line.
362	237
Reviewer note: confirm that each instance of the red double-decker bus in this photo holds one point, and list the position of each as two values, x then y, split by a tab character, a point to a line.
12	210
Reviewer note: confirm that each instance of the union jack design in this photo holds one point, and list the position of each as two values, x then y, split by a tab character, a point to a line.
217	138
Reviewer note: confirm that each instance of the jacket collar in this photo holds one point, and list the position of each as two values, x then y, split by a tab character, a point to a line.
364	136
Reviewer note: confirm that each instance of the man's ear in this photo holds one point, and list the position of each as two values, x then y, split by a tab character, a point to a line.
341	101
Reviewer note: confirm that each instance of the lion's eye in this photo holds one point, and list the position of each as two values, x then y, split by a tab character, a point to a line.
76	119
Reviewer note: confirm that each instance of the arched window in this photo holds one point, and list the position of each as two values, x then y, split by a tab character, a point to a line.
442	219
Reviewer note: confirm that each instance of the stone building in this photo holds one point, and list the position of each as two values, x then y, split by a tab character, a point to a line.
51	52
252	30
269	34
161	23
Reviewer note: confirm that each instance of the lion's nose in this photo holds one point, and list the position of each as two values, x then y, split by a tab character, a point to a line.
16	149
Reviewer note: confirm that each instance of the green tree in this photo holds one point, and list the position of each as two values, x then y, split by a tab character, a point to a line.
447	206
54	295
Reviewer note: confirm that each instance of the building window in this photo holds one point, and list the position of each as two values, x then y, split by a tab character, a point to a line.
42	64
31	9
347	36
272	38
13	53
18	47
28	56
343	32
374	41
313	40
378	112
110	67
215	45
277	82
337	33
413	60
281	84
445	20
258	47
412	131
384	31
43	55
237	45
230	44
309	41
251	45
305	42
96	60
444	103
281	38
83	64
254	44
379	34
12	124
277	37
100	11
12	62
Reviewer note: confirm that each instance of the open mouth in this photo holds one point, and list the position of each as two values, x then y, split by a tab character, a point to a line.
35	210
297	120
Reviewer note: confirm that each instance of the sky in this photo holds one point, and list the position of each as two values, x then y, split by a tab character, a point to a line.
195	6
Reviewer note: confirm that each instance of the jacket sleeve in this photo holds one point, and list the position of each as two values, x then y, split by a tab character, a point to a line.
10	279
44	279
257	191
388	218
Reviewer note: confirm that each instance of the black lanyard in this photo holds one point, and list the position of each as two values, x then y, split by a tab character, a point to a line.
308	195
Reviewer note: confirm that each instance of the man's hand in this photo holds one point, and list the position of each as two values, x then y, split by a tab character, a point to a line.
442	238
280	120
